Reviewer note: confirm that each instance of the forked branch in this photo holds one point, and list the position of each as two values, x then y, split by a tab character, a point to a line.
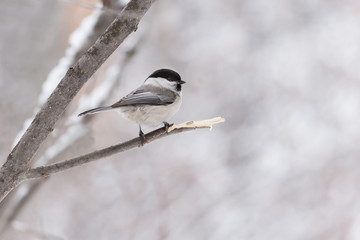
13	172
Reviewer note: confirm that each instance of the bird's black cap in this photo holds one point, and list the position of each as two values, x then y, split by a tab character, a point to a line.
167	74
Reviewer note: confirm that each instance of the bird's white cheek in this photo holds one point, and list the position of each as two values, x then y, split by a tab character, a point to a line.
161	82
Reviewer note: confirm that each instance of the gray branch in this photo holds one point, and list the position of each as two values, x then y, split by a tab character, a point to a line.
13	172
78	161
136	142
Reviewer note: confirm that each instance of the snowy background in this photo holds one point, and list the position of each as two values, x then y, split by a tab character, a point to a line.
285	164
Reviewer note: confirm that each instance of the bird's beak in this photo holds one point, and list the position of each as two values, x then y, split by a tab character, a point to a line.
182	82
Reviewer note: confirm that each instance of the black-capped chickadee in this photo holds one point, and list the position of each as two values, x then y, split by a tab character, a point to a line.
153	103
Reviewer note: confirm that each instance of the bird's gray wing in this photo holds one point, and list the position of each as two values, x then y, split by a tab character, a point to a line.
141	97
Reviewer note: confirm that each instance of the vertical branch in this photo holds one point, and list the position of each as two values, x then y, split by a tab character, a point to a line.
12	172
90	29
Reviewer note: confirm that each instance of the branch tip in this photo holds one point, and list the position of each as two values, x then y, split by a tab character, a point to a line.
208	123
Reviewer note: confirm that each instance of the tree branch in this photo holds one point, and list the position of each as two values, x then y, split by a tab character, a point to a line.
136	142
14	169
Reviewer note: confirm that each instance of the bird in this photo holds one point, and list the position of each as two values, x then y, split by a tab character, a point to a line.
151	104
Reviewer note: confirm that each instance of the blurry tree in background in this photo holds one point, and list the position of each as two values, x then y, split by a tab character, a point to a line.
283	73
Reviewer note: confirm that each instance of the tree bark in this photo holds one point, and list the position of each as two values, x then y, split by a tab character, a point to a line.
136	142
14	170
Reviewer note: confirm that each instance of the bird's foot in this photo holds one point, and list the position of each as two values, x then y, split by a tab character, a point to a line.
142	135
167	125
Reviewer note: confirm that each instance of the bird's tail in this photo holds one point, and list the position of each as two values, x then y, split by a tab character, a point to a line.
95	110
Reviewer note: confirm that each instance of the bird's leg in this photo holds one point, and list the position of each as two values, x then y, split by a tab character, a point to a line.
167	125
141	134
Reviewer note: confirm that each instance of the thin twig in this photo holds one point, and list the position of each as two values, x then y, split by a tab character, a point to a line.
136	142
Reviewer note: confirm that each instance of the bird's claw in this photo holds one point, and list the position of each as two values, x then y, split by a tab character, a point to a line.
142	135
167	125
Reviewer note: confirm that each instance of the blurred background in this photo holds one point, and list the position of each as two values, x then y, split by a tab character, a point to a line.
285	164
